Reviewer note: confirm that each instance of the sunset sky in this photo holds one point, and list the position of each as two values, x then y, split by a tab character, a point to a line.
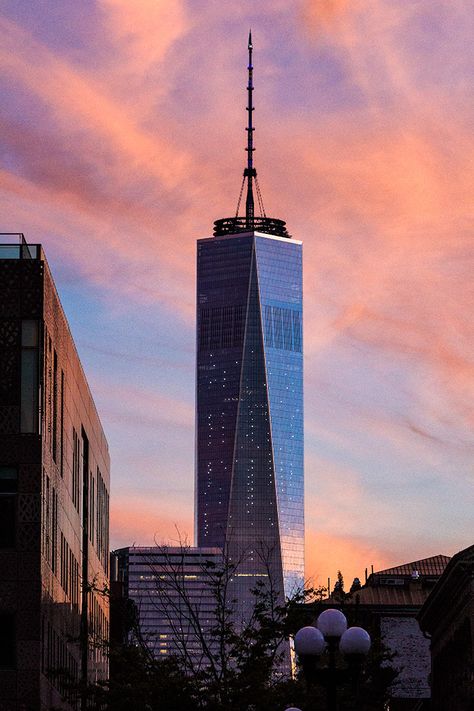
122	135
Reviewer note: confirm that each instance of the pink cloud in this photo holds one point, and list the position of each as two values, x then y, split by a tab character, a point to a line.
80	103
133	24
145	407
126	158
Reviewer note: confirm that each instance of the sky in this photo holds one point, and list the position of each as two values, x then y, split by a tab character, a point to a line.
122	137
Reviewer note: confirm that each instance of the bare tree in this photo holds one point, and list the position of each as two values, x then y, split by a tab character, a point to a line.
223	649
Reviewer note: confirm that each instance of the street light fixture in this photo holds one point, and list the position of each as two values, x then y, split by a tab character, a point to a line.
332	623
355	642
309	641
331	634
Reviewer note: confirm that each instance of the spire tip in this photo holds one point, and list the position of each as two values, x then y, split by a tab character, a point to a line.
250	172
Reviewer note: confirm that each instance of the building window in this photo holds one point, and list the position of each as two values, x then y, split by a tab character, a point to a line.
76	470
29	376
8	493
46	529
54	530
91	507
102	517
55	406
221	327
61	438
7	642
296	331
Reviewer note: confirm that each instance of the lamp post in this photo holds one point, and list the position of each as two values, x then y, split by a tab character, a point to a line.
331	633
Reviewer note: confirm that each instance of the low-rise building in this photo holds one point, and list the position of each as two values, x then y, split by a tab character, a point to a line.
394	597
388	605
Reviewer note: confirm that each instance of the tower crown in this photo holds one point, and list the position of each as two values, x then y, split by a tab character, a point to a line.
250	222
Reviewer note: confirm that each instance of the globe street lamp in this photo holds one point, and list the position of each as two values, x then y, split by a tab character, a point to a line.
331	634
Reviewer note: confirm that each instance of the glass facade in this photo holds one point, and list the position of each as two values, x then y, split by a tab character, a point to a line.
249	448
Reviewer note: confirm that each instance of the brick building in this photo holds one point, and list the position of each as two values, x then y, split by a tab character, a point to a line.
54	484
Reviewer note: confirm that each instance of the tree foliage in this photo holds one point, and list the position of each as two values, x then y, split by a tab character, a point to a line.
242	665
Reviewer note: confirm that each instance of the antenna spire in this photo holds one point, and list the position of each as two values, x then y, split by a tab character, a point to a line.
250	223
250	173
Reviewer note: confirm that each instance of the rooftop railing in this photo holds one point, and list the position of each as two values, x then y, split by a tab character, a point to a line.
22	250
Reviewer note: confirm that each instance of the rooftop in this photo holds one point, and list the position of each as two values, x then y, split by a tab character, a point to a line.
397	587
433	566
406	596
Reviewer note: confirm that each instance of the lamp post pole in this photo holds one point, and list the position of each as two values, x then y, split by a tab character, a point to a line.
331	688
329	635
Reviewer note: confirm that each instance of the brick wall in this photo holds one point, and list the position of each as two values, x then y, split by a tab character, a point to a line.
403	637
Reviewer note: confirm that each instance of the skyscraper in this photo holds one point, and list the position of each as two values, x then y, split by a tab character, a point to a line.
54	484
249	418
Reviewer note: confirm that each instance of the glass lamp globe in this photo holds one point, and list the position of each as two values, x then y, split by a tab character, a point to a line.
355	641
332	623
293	708
309	642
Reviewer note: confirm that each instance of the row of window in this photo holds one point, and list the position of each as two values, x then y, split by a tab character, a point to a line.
57	662
53	402
69	573
221	327
98	628
29	406
49	518
102	533
98	499
76	471
83	484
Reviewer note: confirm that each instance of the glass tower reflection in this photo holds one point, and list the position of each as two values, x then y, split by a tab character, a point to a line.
249	435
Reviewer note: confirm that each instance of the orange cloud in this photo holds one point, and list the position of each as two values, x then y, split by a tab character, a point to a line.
137	520
325	14
328	553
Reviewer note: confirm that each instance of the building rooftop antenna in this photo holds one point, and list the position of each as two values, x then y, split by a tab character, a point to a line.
262	223
250	173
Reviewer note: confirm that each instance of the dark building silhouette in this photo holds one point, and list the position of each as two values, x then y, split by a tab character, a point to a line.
249	419
447	617
54	500
388	605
